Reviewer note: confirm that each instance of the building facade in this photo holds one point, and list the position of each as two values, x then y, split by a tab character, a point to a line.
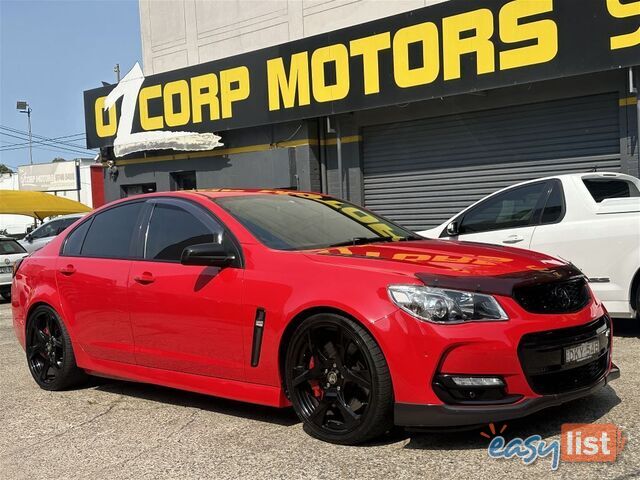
415	158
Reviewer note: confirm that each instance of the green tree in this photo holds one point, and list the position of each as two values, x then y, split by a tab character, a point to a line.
5	169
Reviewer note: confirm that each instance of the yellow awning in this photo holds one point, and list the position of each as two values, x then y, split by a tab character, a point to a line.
37	204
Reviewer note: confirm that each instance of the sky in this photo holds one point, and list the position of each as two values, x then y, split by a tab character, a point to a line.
50	52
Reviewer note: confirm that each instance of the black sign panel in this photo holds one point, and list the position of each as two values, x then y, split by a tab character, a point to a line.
445	49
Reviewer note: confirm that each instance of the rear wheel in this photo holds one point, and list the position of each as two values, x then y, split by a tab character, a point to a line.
49	352
6	294
338	380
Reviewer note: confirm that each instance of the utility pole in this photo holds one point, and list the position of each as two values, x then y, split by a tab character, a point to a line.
116	69
24	107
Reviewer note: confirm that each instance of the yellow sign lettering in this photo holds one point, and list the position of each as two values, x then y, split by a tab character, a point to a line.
427	35
369	48
204	91
339	56
454	45
234	86
544	32
281	86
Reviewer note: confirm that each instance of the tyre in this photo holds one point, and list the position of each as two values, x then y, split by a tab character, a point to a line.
6	294
49	351
338	380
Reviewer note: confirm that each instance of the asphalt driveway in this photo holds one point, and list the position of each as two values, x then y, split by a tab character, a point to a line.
113	429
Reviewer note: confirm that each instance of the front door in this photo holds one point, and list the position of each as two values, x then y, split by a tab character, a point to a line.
185	318
508	218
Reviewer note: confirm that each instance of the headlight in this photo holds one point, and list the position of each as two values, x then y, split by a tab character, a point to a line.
445	306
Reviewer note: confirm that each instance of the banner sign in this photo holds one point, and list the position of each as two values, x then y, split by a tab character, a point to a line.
49	177
445	49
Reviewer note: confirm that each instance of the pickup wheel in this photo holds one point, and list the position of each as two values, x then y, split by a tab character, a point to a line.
338	380
638	302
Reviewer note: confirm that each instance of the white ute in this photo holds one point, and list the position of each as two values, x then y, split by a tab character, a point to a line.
590	219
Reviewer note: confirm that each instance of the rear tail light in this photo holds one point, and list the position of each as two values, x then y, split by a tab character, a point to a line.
16	266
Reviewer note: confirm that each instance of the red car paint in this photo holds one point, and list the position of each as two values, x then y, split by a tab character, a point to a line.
167	332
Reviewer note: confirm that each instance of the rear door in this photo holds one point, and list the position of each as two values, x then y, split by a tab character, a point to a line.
92	273
508	218
185	317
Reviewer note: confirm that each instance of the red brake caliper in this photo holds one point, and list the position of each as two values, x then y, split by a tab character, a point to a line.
315	386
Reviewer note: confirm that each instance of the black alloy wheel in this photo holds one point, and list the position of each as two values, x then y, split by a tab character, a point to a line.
338	380
49	352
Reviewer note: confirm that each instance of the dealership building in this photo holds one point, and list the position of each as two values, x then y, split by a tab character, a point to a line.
412	108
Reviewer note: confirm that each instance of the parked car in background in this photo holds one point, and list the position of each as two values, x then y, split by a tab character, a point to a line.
590	219
289	298
48	231
10	252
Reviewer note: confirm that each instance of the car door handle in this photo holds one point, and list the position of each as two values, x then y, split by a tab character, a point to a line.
68	270
513	239
145	279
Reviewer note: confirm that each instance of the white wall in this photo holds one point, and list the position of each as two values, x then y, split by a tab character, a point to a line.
17	224
180	33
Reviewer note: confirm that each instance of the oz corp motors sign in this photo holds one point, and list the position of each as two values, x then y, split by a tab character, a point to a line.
49	177
449	48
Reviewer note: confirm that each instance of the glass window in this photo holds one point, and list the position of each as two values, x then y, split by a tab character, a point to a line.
511	209
111	231
138	189
172	229
297	222
48	229
73	243
603	188
554	208
9	246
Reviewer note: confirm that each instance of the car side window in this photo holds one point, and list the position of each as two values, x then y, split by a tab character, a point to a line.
73	243
49	229
172	229
63	224
111	231
511	209
554	207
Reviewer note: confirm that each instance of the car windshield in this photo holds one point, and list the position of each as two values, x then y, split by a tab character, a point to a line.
300	221
8	246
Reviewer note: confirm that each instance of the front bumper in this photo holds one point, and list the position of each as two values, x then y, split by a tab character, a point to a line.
412	415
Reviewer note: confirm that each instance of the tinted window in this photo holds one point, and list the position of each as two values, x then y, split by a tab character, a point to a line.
511	209
297	221
73	243
64	223
172	228
49	229
9	247
603	188
554	208
110	233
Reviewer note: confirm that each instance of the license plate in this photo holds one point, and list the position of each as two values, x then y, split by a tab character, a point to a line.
583	351
6	269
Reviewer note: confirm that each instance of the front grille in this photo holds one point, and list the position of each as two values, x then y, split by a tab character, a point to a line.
555	297
542	358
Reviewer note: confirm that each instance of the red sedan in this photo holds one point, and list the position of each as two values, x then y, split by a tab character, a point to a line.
286	298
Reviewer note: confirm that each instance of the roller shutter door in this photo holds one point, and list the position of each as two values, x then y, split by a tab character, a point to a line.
420	173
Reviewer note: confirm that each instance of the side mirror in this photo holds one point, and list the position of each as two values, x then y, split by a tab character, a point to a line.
28	238
208	255
453	229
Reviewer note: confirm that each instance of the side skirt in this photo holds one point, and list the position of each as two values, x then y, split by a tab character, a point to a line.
219	387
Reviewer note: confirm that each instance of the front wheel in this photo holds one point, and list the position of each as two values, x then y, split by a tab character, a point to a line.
338	380
49	351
